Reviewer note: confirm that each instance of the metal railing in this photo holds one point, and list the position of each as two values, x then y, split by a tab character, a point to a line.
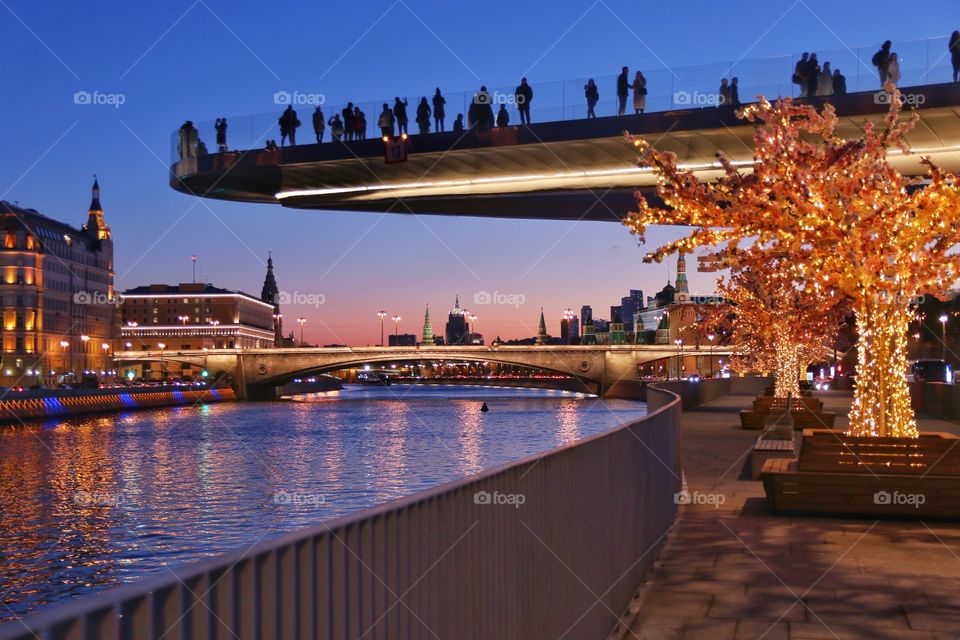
922	62
551	546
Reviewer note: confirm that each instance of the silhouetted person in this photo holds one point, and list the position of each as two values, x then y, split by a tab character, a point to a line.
423	116
458	124
221	128
400	112
188	141
735	92
800	73
503	118
385	121
439	110
954	48
349	127
825	81
639	92
272	145
359	124
623	90
288	126
524	96
201	148
839	83
881	60
723	98
813	75
336	127
480	114
319	124
592	95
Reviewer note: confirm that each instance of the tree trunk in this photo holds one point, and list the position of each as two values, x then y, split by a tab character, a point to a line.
881	400
787	374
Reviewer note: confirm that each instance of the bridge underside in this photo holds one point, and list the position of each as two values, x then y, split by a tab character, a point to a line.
579	169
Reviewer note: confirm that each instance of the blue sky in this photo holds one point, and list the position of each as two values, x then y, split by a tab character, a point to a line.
180	59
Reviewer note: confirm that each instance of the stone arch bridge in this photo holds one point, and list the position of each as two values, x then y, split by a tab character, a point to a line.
608	370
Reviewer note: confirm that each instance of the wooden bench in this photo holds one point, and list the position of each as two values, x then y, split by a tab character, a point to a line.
802	418
878	477
779	405
767	449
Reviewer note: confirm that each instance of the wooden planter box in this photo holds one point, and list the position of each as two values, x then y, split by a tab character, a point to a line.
838	474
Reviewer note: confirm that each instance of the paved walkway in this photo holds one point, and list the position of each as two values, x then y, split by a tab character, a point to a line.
738	571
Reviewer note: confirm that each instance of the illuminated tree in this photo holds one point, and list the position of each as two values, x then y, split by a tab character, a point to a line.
840	218
777	326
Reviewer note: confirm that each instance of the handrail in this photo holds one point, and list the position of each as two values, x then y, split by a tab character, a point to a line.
488	556
922	61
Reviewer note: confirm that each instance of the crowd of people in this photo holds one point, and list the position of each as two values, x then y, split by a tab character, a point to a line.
351	123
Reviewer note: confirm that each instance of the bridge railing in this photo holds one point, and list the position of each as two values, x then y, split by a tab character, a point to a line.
922	62
551	546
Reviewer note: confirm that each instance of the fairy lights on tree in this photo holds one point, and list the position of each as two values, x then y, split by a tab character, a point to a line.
839	218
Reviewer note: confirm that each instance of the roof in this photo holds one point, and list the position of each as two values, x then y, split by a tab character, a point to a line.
15	217
185	289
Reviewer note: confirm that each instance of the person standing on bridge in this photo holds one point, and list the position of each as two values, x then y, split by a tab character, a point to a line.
349	126
735	92
423	116
881	60
954	47
524	96
439	110
623	90
813	75
592	95
723	98
359	124
458	124
318	124
839	83
893	69
400	112
336	128
288	126
800	73
221	129
639	92
503	118
385	121
825	81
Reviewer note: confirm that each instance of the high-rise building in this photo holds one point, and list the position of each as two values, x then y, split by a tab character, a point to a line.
586	316
569	328
270	294
457	329
629	307
56	292
402	340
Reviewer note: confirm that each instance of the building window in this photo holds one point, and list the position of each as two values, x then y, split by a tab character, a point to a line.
19	301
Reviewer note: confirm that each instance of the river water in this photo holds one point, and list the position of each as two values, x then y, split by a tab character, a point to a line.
91	502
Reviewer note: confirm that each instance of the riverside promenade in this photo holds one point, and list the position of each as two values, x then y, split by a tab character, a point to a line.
734	570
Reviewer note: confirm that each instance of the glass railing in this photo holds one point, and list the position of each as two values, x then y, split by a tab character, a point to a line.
921	62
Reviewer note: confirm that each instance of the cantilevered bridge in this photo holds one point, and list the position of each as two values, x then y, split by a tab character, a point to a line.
573	169
608	370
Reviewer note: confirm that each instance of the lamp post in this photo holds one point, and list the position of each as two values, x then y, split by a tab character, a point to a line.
63	345
214	324
679	344
710	337
943	338
380	314
183	319
106	353
163	369
396	330
85	339
302	321
473	323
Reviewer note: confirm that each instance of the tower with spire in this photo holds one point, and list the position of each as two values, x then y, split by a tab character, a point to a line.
427	340
542	337
96	228
682	293
270	294
616	334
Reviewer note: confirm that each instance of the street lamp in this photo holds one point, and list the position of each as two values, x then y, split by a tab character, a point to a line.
679	344
381	314
943	339
183	319
473	323
302	321
710	337
396	330
163	369
85	339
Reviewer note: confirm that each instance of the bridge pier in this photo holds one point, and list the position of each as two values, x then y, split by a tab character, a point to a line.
619	378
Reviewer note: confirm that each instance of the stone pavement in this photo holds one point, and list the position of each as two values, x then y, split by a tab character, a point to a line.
734	570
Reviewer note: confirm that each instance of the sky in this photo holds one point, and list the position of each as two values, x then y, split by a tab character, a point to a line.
169	61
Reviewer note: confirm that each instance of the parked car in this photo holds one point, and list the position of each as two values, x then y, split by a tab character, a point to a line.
932	371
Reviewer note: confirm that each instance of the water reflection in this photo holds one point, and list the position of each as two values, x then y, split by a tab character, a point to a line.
94	501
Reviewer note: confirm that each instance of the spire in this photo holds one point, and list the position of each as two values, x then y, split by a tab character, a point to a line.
542	337
682	293
270	293
95	226
427	340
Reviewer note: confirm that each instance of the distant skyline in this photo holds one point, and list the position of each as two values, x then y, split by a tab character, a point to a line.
200	59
